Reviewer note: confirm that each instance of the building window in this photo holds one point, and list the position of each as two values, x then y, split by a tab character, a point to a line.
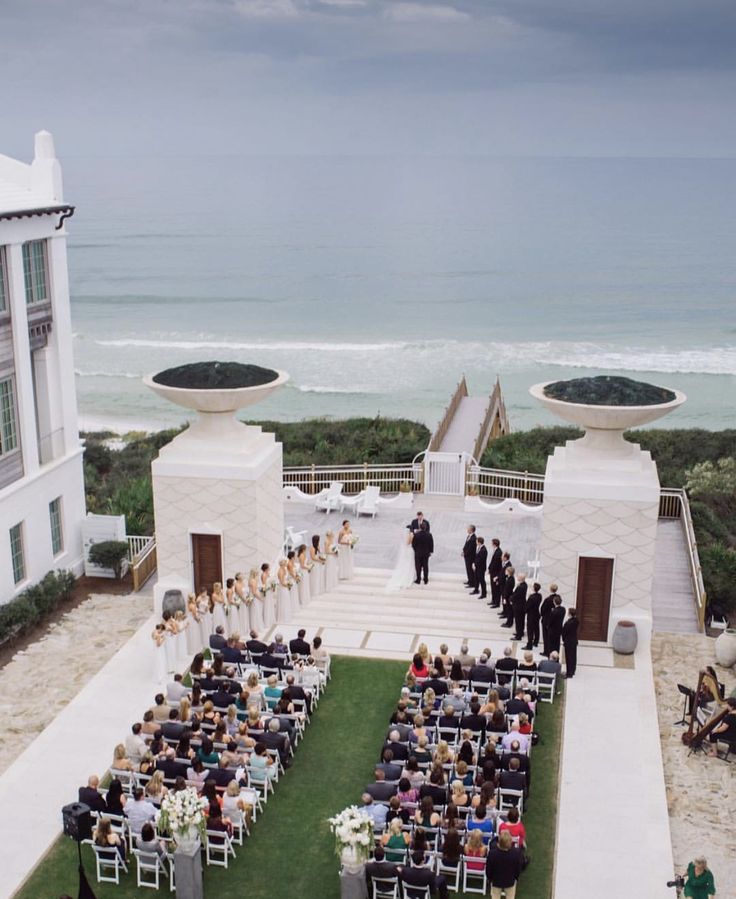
57	534
8	428
34	271
16	553
3	282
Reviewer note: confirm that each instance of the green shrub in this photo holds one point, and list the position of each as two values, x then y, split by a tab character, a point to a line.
719	575
35	603
109	554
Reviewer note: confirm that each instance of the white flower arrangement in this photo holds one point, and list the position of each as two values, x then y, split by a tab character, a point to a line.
333	551
353	829
181	812
270	587
298	578
289	584
353	541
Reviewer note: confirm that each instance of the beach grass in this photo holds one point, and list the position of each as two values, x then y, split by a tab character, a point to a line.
291	851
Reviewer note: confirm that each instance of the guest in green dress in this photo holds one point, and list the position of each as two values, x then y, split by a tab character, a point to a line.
699	883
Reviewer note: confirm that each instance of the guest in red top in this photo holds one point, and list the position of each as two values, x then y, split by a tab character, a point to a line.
419	667
514	826
525	726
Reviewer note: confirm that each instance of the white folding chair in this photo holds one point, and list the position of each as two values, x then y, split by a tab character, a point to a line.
385	887
411	892
509	798
451	873
546	682
149	867
240	826
108	859
474	879
218	847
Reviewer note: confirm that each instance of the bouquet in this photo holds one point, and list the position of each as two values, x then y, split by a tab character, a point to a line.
289	584
298	578
181	813
270	587
322	557
353	541
353	830
249	599
333	551
309	566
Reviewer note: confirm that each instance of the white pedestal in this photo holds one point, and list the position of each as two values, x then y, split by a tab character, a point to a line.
217	477
602	499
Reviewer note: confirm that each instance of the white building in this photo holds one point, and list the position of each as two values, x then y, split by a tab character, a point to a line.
41	478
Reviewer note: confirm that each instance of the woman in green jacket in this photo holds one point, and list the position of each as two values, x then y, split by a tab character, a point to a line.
699	883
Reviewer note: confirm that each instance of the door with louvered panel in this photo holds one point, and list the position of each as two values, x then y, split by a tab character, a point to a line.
206	560
593	600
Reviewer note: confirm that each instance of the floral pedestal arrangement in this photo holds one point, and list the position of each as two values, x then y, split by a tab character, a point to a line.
353	831
183	816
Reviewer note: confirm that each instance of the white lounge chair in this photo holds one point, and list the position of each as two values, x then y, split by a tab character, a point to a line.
293	538
368	504
329	500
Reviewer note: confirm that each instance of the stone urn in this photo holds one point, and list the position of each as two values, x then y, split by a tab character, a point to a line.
726	648
187	840
351	861
625	637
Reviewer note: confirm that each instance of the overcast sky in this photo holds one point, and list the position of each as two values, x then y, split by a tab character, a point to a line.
499	77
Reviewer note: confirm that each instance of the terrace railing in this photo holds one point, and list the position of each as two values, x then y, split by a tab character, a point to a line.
440	431
674	504
390	478
496	483
142	556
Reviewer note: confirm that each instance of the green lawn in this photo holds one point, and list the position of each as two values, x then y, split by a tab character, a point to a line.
291	845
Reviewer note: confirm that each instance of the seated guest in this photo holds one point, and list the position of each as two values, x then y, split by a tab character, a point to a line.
320	656
376	811
105	836
272	691
413	773
139	811
231	652
448	719
527	663
147	841
518	704
206	753
482	672
175	690
473	720
135	745
452	848
232	803
150	725
278	647
230	757
215	821
396	811
115	799
272	661
255	646
466	752
209	715
475	849
465	659
272	738
486	798
456	671
725	732
451	818
463	773
514	778
197	773
299	646
380	790
402	723
435	683
391	770
160	709
173	728
418	667
497	724
456	699
196	669
419	843
506	666
425	816
120	760
406	792
514	826
458	794
503	866
443	755
295	691
221	776
481	821
515	736
91	796
209	792
395	842
418	875
525	726
379	868
515	752
155	789
184	747
419	729
218	641
421	751
492	704
551	665
261	765
255	688
435	789
400	752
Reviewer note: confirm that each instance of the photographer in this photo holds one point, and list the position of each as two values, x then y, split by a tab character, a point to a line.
699	883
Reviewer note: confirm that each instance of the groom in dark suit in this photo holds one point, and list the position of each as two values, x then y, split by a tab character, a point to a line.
423	546
469	550
417	523
481	560
495	570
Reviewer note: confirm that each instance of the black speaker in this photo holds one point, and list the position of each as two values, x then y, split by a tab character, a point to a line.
77	821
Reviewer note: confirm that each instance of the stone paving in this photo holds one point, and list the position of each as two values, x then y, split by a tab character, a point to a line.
701	792
47	675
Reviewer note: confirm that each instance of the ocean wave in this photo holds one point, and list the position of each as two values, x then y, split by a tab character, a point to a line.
105	374
354	391
285	345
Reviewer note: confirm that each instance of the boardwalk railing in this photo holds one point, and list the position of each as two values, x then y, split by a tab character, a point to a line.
390	478
441	430
495	421
674	504
496	483
142	555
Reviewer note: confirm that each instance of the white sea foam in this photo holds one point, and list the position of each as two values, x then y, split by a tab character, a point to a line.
287	346
106	374
319	388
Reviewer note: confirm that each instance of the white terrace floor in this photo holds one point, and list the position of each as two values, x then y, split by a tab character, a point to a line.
614	835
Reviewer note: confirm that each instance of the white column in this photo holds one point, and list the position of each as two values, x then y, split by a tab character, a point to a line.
61	339
22	353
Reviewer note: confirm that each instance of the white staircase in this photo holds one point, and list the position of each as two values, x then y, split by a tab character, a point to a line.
360	618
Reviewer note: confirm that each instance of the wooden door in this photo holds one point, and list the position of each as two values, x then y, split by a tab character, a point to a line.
593	601
206	560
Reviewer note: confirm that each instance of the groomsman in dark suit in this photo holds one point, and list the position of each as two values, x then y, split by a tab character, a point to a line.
548	603
533	603
556	619
469	550
481	560
570	642
495	570
416	523
509	585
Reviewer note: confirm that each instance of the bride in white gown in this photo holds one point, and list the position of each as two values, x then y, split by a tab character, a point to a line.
404	572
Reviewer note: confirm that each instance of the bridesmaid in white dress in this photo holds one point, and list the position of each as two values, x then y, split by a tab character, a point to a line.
317	577
194	631
241	593
159	654
293	572
171	632
304	565
283	594
331	574
204	607
345	559
256	608
181	647
231	610
268	591
219	619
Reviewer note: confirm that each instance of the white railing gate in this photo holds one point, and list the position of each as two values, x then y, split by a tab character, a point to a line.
445	473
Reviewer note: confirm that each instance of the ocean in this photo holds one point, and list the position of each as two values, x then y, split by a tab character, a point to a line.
377	282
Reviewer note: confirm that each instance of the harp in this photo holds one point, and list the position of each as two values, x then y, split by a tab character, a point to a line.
708	690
